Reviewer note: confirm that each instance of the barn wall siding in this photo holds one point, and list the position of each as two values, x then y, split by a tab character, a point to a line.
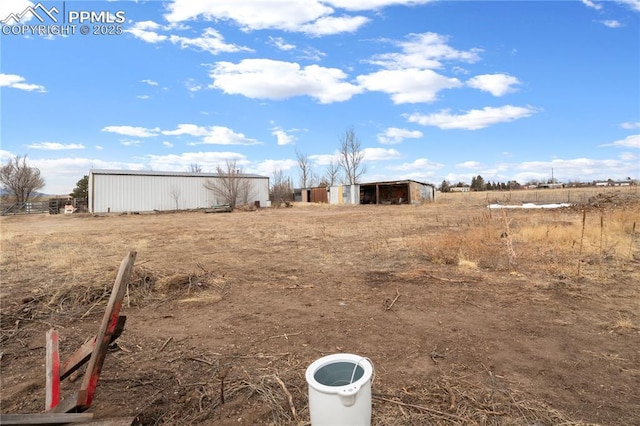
120	192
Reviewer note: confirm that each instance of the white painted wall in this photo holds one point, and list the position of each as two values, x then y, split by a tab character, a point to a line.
140	191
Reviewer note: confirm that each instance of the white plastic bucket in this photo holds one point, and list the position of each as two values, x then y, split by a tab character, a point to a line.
340	390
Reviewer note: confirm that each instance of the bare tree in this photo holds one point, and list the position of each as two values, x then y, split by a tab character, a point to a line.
306	174
245	190
351	157
20	179
230	184
332	173
194	168
175	195
313	180
281	190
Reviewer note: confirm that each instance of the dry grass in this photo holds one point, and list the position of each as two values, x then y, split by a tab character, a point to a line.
56	275
623	323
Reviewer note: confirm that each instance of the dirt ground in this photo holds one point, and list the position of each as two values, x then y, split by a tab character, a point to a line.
464	321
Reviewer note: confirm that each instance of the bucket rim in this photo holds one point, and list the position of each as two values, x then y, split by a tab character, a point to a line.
361	361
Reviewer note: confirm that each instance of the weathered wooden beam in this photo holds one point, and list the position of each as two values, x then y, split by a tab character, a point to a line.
81	400
82	355
52	365
45	419
74	403
107	327
124	421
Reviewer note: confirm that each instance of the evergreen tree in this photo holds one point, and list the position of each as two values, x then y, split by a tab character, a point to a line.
82	189
477	183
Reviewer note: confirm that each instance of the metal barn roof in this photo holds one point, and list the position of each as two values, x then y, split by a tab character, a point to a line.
156	173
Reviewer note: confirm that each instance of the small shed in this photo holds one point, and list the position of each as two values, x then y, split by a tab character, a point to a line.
390	192
145	190
314	195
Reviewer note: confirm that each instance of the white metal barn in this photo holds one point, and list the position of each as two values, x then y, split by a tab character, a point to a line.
142	191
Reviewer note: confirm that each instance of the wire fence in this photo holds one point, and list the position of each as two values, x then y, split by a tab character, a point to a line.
537	196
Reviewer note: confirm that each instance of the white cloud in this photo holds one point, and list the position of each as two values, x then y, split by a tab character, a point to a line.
312	54
18	82
473	119
459	70
324	159
213	135
421	164
496	84
334	25
98	147
143	96
55	146
314	17
394	135
276	80
129	142
409	85
583	168
424	51
187	129
632	141
207	160
469	165
630	125
612	23
632	4
282	137
167	144
149	82
192	85
629	156
380	154
139	132
267	167
592	4
62	174
250	15
358	5
280	44
210	41
147	31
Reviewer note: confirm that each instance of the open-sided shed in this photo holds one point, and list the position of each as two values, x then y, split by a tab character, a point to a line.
391	192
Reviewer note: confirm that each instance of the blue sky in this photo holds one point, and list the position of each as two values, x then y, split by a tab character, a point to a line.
434	90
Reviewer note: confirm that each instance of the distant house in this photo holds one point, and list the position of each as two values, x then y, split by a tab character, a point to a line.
551	185
615	183
459	189
391	192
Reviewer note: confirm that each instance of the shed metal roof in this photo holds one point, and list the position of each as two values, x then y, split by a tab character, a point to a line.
395	182
157	173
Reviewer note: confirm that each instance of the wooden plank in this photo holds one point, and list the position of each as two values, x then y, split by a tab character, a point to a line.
124	421
52	365
45	419
107	327
74	403
82	355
